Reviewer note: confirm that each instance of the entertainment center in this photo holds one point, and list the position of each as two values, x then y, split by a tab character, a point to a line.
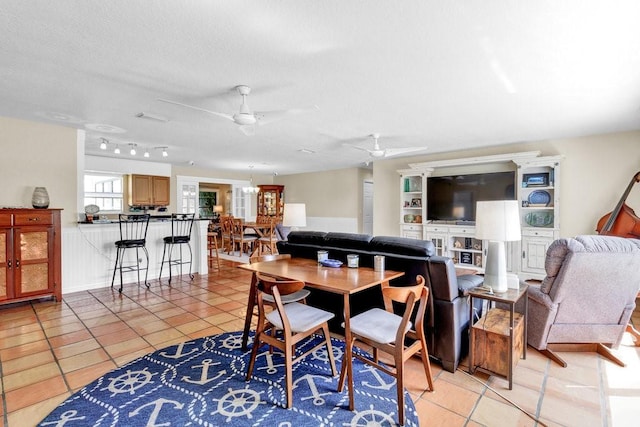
438	204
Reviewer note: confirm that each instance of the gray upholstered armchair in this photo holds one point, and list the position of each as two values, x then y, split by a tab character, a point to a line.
587	297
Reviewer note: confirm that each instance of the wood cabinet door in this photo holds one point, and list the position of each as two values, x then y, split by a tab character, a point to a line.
33	265
141	191
6	264
161	192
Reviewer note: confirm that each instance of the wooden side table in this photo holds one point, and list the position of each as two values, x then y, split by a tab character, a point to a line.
510	297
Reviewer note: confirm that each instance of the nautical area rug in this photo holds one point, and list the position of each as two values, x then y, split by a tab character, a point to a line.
202	383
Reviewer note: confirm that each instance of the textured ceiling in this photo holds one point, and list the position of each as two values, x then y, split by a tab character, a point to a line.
441	74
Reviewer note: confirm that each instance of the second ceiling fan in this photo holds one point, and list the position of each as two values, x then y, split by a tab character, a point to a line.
377	152
246	119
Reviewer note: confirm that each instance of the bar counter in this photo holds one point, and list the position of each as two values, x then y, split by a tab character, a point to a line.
89	253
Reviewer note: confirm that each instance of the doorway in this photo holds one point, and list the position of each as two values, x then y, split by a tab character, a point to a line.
367	207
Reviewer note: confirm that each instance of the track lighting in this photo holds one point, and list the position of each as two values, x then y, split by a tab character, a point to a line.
133	149
103	144
117	150
146	153
164	152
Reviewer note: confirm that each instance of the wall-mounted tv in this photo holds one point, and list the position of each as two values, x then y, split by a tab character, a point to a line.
454	197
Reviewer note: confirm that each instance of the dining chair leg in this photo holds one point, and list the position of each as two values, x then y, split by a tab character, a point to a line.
424	354
327	338
251	303
400	384
288	363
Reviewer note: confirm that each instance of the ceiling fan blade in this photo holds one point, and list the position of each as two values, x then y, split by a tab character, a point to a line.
248	130
215	113
389	152
266	117
357	148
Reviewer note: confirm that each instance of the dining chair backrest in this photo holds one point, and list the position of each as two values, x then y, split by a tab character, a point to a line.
226	224
133	227
408	296
263	219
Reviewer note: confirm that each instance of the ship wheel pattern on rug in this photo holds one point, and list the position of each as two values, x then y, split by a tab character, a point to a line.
202	383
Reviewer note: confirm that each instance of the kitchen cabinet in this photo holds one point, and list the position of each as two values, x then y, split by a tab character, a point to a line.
30	254
271	201
149	190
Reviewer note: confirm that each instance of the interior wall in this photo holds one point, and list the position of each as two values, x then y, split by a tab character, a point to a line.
328	194
594	174
39	155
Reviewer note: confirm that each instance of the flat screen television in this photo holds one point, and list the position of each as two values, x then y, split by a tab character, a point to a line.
454	197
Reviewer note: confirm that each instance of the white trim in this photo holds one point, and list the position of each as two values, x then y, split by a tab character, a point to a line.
509	157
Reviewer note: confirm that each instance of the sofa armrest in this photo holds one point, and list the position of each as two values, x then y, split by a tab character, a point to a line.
442	276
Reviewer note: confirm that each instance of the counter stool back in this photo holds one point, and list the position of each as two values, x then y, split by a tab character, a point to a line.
133	235
181	226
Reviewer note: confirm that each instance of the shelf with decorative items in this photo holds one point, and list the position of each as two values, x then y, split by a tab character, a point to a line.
465	250
537	190
412	208
538	193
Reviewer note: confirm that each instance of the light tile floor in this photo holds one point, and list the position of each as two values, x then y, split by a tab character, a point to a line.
49	350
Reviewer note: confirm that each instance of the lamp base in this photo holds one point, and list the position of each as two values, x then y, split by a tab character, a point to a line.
495	272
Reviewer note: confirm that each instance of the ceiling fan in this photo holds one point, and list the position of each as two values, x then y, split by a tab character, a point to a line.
378	152
246	119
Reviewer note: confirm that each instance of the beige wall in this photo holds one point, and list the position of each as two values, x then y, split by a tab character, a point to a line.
595	172
336	193
39	155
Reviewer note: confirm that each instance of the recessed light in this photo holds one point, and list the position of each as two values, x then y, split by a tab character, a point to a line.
306	151
101	127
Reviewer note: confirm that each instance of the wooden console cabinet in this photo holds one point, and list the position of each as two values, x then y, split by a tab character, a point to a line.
149	190
30	254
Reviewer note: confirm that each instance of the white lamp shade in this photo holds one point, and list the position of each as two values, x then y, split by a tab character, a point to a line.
498	220
295	215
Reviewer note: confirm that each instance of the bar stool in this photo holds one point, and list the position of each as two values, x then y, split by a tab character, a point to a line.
181	225
133	235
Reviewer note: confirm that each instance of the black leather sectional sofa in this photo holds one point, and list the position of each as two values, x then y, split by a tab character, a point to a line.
447	318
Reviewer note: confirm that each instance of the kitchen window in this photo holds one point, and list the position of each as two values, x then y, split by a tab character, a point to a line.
105	191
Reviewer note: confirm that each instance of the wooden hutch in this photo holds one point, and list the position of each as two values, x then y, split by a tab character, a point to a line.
271	201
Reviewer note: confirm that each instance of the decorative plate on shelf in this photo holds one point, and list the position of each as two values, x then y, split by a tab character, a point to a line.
539	197
539	219
331	263
91	209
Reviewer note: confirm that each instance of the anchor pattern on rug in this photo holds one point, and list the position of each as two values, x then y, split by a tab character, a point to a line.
202	383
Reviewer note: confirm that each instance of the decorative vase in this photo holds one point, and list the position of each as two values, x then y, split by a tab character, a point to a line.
40	198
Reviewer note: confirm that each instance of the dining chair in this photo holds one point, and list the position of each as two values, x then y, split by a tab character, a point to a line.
243	241
252	303
268	239
296	321
385	331
226	233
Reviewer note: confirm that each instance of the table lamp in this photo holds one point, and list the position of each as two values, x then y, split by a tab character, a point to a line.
497	221
295	215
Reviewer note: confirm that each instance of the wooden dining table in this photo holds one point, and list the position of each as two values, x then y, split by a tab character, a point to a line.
342	281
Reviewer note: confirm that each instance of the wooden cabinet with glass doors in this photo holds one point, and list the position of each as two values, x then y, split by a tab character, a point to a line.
30	254
271	201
